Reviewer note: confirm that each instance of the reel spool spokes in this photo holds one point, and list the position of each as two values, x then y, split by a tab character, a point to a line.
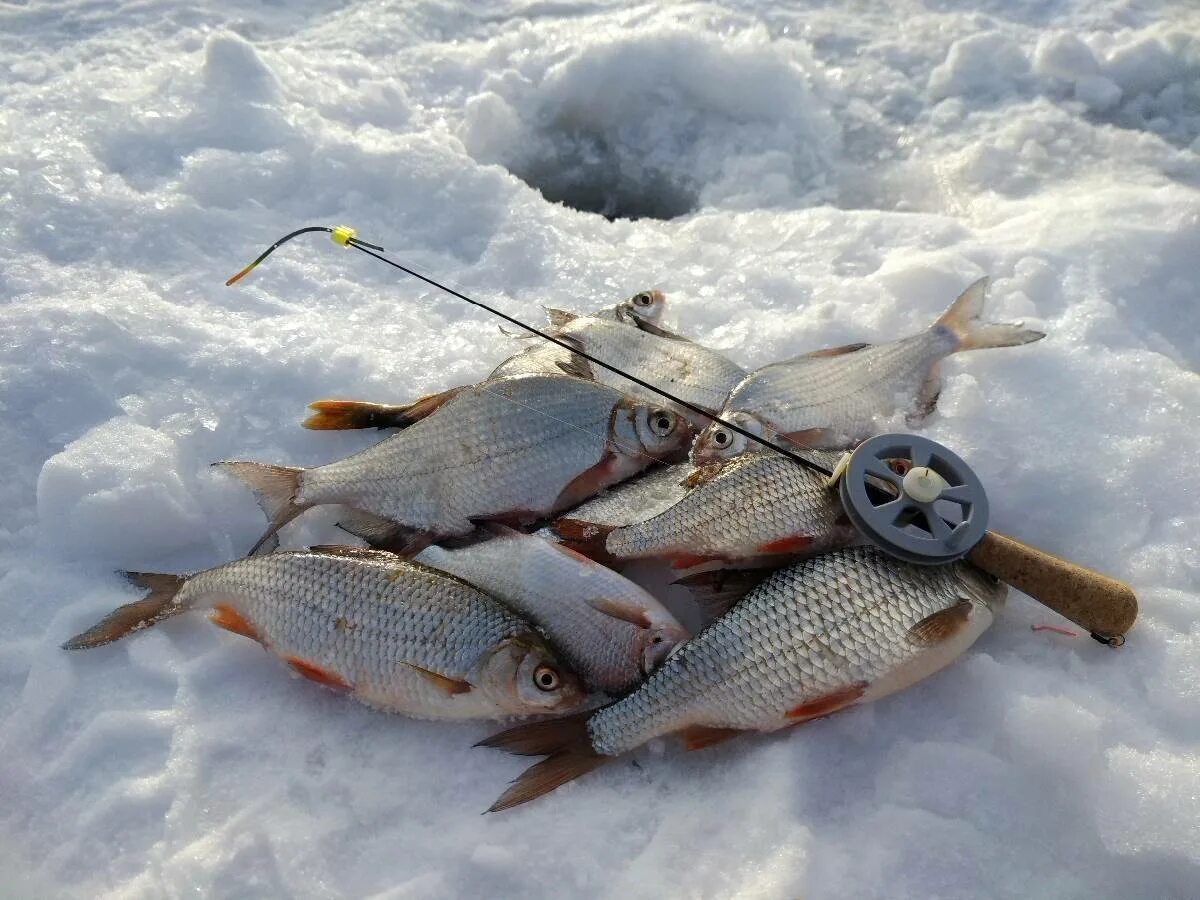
914	498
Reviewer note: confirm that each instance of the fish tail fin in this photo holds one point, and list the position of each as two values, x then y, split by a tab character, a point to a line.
275	489
150	610
587	538
564	742
962	319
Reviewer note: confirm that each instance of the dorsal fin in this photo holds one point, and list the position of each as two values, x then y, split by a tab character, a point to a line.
834	351
354	552
559	318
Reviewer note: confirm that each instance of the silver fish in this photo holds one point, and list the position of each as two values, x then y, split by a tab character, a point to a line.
835	398
754	510
544	358
514	449
821	635
392	634
691	372
609	630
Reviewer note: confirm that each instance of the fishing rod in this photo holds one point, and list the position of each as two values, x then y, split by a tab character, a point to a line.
890	519
348	237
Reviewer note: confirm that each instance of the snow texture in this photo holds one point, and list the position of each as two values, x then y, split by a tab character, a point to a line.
800	176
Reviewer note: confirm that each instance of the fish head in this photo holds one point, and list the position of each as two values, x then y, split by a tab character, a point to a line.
658	642
661	432
645	305
982	589
523	677
718	444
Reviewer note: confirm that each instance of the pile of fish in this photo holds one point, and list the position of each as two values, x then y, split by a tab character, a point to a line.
500	515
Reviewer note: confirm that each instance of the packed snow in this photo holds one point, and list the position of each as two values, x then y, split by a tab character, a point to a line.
793	177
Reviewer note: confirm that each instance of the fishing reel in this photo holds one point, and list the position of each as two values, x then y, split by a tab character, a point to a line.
920	502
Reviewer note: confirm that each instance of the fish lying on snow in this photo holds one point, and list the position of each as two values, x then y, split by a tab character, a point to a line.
515	450
821	635
392	634
681	367
608	629
834	398
542	359
757	509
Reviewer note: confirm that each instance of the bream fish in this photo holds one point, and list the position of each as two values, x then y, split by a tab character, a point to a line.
392	634
821	635
835	398
514	450
542	359
608	629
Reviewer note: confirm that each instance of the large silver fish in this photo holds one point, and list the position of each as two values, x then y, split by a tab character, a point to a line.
392	634
514	449
754	510
609	630
685	369
543	358
821	635
835	398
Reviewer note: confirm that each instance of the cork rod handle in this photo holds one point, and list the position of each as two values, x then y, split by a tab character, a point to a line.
1104	606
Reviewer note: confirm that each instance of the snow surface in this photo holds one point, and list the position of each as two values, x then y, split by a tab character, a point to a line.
835	175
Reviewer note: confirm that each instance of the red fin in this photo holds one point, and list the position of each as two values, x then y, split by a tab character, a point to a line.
230	619
451	686
566	743
943	624
626	612
588	538
319	675
797	543
687	560
834	351
588	483
697	737
830	703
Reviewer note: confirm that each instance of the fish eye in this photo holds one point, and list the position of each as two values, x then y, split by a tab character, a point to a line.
545	678
662	423
721	437
642	299
657	639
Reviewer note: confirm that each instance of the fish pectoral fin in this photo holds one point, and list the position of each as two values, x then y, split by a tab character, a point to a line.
586	538
834	351
384	534
942	625
621	609
450	686
577	367
811	438
829	703
659	331
697	737
354	552
225	616
319	674
589	483
702	475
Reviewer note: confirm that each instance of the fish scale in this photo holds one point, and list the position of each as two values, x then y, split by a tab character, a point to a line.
808	631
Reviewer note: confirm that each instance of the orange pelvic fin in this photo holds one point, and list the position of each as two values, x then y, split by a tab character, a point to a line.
318	674
830	703
796	543
225	616
697	737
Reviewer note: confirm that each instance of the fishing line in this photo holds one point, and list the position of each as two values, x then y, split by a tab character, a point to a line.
347	237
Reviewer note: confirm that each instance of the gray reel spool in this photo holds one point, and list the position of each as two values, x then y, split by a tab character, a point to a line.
933	509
